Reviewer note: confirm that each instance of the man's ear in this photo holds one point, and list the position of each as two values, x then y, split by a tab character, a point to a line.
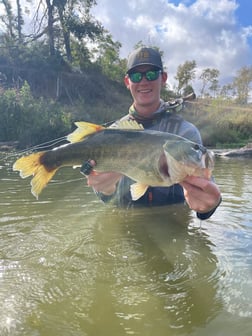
126	81
164	78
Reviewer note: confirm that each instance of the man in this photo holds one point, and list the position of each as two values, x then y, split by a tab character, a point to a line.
145	77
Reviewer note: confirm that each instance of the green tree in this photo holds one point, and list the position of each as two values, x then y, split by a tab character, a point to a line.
75	19
108	58
69	18
28	120
242	84
214	87
185	74
12	22
8	19
209	77
227	91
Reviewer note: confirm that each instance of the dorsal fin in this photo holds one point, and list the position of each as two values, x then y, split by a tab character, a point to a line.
128	124
83	129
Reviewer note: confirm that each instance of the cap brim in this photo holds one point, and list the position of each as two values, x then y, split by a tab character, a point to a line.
151	64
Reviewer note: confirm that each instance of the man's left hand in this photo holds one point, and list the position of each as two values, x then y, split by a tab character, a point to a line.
201	194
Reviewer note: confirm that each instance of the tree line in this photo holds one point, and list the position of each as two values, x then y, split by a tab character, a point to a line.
238	89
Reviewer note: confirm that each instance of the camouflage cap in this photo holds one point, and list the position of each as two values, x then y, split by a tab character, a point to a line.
144	56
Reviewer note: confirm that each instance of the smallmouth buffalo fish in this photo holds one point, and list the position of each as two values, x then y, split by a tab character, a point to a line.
150	158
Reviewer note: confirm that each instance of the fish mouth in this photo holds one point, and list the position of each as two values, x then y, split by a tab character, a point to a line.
163	166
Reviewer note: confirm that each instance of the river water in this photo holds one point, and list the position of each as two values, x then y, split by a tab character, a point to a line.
70	266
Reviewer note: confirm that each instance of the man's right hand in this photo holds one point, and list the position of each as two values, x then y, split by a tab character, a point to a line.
104	182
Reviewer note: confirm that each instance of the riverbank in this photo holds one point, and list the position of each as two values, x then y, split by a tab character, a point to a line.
245	151
7	146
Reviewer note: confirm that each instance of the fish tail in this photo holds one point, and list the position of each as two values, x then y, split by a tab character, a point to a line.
83	130
31	165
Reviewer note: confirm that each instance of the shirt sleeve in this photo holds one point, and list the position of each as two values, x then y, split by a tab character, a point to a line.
190	132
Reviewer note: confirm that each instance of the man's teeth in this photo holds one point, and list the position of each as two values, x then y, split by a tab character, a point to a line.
145	91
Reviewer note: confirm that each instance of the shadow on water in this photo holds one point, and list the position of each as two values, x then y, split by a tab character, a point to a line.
70	266
162	275
118	273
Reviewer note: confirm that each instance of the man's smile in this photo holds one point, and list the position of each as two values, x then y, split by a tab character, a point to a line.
144	90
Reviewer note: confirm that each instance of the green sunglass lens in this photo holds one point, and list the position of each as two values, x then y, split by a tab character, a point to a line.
136	77
150	75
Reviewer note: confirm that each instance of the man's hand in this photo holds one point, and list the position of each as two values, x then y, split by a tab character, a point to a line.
104	182
201	194
101	182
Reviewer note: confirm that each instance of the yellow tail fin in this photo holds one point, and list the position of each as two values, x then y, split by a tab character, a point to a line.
31	165
83	129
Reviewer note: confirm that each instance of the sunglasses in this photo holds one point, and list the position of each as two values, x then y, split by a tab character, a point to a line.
150	75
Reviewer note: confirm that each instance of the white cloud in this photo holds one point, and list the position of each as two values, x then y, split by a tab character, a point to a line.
205	31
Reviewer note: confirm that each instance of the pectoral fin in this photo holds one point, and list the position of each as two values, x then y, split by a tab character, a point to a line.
138	190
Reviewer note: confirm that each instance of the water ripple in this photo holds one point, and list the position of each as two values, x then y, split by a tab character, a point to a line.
70	266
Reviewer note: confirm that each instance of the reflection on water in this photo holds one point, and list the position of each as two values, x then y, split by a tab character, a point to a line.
71	266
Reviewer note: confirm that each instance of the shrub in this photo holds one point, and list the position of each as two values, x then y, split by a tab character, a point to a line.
28	120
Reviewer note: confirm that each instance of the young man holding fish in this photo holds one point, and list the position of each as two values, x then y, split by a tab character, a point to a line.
152	156
145	77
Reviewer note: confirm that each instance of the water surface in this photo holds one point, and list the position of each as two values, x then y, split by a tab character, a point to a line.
71	266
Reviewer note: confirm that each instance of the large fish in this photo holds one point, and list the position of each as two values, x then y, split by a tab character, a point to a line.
151	158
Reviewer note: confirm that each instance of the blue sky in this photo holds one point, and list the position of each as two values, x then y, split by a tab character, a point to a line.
214	33
244	12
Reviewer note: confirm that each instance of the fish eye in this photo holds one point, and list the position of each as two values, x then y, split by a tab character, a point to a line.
198	147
